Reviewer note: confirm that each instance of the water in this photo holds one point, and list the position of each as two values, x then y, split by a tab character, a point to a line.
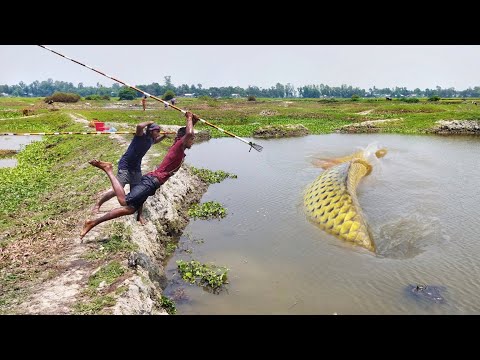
15	143
422	202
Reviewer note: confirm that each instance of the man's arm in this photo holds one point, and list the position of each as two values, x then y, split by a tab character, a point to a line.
142	126
189	127
160	138
195	119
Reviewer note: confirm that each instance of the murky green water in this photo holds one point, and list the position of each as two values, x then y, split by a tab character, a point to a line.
422	202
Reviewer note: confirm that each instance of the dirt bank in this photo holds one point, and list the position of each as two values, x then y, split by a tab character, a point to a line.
445	127
134	277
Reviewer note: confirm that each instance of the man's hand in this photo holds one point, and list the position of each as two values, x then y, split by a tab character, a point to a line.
189	115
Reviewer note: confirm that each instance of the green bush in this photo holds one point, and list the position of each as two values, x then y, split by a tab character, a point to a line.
434	98
127	93
251	98
97	97
411	100
327	100
355	97
63	97
169	95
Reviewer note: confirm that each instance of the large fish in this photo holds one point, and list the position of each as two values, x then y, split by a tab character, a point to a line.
331	200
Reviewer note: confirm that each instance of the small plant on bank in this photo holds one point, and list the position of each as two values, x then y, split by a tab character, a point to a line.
207	210
212	177
207	275
170	248
109	274
118	242
168	305
120	239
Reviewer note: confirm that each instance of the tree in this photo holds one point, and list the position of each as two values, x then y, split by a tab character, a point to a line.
169	94
168	83
127	93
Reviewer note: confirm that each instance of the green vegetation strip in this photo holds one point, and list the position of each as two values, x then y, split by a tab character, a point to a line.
207	210
207	275
212	177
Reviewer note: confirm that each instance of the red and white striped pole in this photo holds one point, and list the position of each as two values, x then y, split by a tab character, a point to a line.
252	145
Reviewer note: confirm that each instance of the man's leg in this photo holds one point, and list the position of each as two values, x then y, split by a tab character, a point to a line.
117	187
107	196
123	177
140	217
112	214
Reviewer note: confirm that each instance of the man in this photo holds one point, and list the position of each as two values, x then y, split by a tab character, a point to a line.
150	182
144	102
129	166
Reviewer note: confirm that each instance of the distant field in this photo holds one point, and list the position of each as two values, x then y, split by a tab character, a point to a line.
240	116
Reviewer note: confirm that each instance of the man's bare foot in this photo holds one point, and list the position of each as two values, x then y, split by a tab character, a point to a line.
101	164
89	224
142	220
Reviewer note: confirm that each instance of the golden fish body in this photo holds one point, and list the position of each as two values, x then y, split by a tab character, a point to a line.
331	201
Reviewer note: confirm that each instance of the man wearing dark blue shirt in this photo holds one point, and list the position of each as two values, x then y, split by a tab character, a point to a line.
129	166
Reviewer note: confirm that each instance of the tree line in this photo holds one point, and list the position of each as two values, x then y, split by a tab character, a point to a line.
48	87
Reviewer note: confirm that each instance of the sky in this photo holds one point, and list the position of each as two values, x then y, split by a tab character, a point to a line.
363	66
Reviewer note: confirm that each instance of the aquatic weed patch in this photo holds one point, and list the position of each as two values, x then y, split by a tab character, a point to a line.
207	275
211	177
207	210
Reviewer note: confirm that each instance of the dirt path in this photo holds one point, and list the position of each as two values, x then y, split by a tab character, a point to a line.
57	295
366	112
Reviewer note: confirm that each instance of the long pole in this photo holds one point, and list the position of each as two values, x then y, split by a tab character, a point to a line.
252	145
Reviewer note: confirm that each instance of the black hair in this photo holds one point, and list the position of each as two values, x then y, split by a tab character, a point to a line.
181	132
149	129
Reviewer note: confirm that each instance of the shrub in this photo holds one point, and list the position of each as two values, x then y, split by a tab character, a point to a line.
327	100
92	97
127	93
168	95
251	98
434	98
63	97
355	97
411	100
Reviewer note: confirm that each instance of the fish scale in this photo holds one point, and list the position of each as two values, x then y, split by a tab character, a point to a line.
331	202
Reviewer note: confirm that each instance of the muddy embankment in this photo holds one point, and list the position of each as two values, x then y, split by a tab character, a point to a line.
166	212
441	127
